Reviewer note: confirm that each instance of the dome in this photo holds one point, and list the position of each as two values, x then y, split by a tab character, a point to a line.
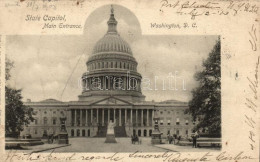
112	43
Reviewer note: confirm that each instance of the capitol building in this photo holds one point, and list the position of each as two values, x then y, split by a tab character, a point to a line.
111	92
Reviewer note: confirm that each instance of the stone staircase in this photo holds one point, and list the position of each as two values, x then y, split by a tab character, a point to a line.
120	131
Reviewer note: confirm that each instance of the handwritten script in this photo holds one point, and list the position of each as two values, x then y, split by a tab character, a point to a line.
206	8
252	98
167	156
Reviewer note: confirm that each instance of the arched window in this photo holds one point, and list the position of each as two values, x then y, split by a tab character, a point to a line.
88	133
139	132
54	121
145	133
111	65
102	64
83	133
78	132
45	120
134	132
150	132
72	132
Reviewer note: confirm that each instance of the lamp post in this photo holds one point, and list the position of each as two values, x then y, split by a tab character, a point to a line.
156	135
63	134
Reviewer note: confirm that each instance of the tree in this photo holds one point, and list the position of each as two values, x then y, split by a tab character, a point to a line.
206	98
16	113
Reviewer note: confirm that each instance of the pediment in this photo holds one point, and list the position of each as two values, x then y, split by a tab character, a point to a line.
111	101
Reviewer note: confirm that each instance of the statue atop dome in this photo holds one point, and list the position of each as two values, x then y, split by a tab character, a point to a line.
112	9
112	22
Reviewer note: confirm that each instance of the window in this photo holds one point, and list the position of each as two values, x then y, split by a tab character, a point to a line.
45	120
54	112
169	122
177	121
161	122
161	112
187	122
45	112
35	121
35	131
54	121
187	131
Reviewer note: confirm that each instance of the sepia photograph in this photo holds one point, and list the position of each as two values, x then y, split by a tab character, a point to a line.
112	88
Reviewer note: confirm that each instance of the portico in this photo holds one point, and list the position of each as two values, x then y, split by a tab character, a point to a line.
101	116
98	114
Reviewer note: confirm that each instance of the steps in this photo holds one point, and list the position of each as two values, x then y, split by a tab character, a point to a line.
120	131
102	131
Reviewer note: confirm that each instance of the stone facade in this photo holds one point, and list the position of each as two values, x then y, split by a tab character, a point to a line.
84	118
111	91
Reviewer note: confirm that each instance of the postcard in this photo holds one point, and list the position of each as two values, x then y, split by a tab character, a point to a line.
160	80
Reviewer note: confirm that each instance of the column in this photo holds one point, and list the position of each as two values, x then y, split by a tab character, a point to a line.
119	117
125	115
131	116
142	117
114	115
109	85
136	117
103	113
147	117
97	116
152	117
86	117
91	116
124	83
104	83
75	117
80	117
108	115
69	117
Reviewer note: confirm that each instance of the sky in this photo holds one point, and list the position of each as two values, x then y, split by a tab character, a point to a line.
44	65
